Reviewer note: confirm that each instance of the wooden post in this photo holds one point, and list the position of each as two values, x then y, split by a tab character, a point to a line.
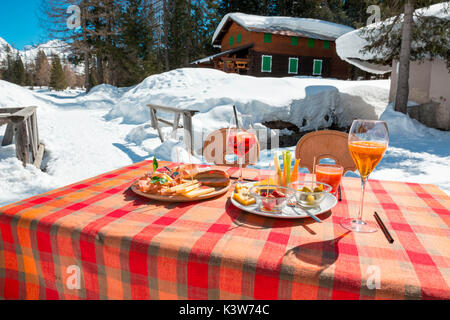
32	141
155	122
188	136
35	126
176	120
40	154
152	120
22	145
9	134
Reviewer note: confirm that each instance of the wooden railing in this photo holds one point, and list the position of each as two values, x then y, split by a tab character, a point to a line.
23	128
187	123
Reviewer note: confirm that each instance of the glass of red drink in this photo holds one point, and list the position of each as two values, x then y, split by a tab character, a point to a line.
241	138
330	174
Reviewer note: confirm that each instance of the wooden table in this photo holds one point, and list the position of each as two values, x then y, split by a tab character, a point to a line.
97	240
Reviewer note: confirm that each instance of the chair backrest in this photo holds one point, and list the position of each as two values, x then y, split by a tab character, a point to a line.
215	150
325	144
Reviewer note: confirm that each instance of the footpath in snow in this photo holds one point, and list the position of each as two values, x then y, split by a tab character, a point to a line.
86	135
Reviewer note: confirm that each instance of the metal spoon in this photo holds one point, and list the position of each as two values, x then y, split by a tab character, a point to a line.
293	206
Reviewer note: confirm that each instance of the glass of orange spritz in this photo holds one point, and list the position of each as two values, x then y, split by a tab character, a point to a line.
367	142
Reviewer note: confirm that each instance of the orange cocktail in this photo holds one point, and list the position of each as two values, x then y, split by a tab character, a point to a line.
367	155
367	144
330	174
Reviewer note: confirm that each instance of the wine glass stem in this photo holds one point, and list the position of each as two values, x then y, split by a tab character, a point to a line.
240	170
361	205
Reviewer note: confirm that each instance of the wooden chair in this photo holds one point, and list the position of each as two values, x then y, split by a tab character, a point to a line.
325	144
215	150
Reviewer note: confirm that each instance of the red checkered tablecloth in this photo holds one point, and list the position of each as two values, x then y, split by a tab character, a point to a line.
98	240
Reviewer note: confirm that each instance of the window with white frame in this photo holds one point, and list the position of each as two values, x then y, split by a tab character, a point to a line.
266	63
293	66
317	67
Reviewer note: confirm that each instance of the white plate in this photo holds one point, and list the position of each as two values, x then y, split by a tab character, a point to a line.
328	203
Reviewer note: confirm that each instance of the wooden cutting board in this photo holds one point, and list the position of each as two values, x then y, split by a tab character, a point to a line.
179	198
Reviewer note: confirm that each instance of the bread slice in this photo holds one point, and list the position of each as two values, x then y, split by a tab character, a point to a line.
213	178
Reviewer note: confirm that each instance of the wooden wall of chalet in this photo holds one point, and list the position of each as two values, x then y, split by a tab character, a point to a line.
281	49
280	66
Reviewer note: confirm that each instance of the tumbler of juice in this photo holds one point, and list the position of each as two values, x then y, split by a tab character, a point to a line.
330	174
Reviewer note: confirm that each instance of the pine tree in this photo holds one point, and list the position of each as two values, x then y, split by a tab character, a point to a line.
393	39
356	11
135	54
18	75
57	79
93	77
29	72
8	73
70	77
42	70
258	7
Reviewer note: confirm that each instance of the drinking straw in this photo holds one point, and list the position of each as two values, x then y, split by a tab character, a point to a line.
314	173
191	166
236	117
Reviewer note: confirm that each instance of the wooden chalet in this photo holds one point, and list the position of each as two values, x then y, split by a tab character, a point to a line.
277	47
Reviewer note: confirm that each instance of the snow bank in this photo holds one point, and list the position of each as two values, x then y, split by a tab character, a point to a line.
416	153
14	96
298	100
311	28
206	89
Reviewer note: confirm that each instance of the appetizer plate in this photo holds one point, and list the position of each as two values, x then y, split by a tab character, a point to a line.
179	198
328	203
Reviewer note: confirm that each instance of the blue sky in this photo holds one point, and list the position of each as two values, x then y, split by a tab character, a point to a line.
19	23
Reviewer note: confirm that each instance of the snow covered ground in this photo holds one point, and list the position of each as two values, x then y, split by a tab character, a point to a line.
86	135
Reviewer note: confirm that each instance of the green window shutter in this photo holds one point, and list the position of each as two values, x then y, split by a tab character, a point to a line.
267	38
317	67
231	41
266	64
293	65
238	38
326	44
294	41
310	43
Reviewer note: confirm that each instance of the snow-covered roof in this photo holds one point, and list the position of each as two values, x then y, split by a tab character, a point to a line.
306	27
210	58
349	45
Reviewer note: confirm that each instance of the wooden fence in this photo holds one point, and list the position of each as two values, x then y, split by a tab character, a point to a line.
187	123
23	128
